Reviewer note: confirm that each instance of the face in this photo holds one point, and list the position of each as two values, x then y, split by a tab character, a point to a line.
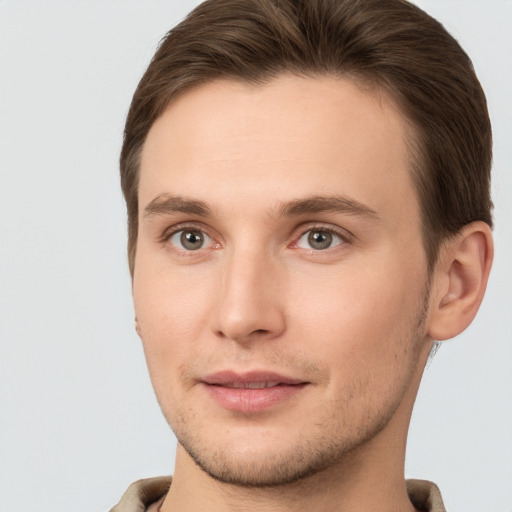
280	277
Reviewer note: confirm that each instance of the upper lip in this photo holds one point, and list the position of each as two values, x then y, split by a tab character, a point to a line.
240	379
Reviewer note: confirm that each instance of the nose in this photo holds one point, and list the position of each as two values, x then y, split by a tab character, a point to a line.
251	300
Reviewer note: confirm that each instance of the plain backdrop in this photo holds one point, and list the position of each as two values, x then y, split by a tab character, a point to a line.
78	420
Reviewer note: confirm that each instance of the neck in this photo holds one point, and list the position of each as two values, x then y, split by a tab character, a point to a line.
348	488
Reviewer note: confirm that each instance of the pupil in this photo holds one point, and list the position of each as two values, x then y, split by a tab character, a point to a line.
320	239
192	240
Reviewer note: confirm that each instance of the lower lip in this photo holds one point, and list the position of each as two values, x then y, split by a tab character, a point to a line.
252	400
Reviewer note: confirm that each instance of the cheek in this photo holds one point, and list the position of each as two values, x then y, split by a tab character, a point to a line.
371	349
363	323
172	314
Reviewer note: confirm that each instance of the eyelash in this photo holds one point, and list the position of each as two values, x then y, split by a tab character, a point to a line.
343	236
168	234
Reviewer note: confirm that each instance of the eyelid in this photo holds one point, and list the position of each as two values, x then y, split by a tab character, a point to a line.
345	235
168	233
172	230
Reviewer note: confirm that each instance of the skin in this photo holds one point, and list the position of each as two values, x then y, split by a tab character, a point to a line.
240	166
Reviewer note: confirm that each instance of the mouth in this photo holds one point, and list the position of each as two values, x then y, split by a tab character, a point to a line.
251	392
250	385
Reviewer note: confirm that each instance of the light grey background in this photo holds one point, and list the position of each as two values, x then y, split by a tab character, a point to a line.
78	418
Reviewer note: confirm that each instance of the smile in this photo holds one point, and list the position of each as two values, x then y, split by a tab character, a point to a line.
251	392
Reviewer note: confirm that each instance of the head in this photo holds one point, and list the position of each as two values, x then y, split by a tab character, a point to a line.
392	47
293	173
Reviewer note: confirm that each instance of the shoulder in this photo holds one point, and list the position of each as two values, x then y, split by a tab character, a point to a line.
142	494
425	496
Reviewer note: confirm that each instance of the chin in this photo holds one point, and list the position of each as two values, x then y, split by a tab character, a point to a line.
257	470
259	459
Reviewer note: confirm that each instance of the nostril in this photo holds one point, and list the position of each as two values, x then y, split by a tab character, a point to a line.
244	319
243	337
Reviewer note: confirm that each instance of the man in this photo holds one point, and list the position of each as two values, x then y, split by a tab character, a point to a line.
307	185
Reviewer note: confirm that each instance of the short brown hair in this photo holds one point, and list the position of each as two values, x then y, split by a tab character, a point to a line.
388	44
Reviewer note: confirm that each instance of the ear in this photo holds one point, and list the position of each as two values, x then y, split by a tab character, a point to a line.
137	327
459	280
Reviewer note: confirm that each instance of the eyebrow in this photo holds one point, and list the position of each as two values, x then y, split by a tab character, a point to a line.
166	204
331	204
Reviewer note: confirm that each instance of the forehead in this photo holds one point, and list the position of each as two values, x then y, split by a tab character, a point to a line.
290	137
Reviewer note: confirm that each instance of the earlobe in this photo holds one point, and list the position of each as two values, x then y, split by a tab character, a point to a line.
460	279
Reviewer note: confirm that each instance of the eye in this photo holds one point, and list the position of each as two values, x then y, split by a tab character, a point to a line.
319	239
190	239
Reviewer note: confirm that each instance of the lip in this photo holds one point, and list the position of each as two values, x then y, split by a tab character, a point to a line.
251	392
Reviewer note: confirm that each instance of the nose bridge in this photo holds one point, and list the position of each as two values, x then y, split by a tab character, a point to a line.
248	302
